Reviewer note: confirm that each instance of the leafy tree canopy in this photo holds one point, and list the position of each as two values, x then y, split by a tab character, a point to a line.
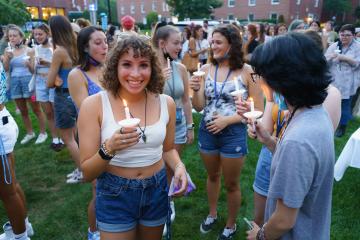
337	7
13	11
193	8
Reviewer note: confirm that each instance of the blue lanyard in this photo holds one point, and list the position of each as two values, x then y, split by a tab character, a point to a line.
217	96
279	125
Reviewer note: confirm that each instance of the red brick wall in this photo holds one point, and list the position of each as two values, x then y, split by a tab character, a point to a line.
138	15
261	10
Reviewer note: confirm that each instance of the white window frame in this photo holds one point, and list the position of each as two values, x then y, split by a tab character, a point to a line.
153	6
298	2
132	9
252	3
122	10
230	14
316	3
275	2
231	3
142	7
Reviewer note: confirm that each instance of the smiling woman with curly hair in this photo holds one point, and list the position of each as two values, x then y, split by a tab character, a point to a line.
128	162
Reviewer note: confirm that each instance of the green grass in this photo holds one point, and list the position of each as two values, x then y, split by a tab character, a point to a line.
58	211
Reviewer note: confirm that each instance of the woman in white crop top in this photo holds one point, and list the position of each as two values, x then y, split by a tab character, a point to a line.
128	163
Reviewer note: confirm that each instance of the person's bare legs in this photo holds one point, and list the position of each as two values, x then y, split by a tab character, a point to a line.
21	104
13	203
259	208
48	109
39	115
67	135
149	233
129	235
231	168
213	168
91	208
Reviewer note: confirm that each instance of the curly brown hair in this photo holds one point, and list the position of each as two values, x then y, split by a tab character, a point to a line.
141	48
232	35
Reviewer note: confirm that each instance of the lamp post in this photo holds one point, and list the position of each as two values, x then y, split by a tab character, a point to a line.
92	10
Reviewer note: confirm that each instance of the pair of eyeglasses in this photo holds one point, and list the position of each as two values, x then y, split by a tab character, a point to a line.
346	35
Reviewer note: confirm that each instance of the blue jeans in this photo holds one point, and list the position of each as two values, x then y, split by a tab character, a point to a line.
122	204
346	114
262	173
231	142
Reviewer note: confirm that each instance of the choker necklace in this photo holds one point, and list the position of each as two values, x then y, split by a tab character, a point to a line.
93	61
143	135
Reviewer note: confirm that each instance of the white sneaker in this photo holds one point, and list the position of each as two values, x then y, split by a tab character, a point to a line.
41	138
76	178
27	138
172	207
73	173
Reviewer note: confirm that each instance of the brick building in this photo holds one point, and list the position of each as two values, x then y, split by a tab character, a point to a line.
44	9
140	8
269	9
231	9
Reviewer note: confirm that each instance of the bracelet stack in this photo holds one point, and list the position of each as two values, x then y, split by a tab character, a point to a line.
104	152
261	233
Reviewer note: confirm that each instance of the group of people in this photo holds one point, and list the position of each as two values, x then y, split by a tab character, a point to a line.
123	109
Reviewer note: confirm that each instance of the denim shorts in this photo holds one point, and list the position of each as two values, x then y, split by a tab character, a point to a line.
231	142
262	172
122	204
43	93
19	87
64	110
181	131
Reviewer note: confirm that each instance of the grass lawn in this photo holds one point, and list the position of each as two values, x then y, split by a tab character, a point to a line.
59	211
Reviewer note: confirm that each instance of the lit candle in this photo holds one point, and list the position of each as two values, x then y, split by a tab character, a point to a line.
147	34
237	87
252	107
32	42
168	62
127	111
9	45
198	67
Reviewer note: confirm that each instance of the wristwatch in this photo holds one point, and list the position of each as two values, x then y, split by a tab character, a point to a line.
104	153
190	126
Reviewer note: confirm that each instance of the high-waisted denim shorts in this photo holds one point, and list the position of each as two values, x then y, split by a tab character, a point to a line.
19	87
231	142
122	204
262	173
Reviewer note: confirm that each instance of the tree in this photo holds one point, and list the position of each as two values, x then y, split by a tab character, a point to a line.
337	7
281	19
103	8
152	17
13	11
193	8
357	12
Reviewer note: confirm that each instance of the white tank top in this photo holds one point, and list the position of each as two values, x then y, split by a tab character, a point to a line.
142	154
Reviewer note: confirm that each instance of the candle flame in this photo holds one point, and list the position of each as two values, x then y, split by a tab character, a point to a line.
251	99
125	103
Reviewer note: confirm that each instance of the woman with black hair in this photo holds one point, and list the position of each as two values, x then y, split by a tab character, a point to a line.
84	81
303	161
222	135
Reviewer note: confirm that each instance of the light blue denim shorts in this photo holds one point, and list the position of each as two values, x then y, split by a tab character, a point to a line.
262	172
122	204
19	87
43	93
